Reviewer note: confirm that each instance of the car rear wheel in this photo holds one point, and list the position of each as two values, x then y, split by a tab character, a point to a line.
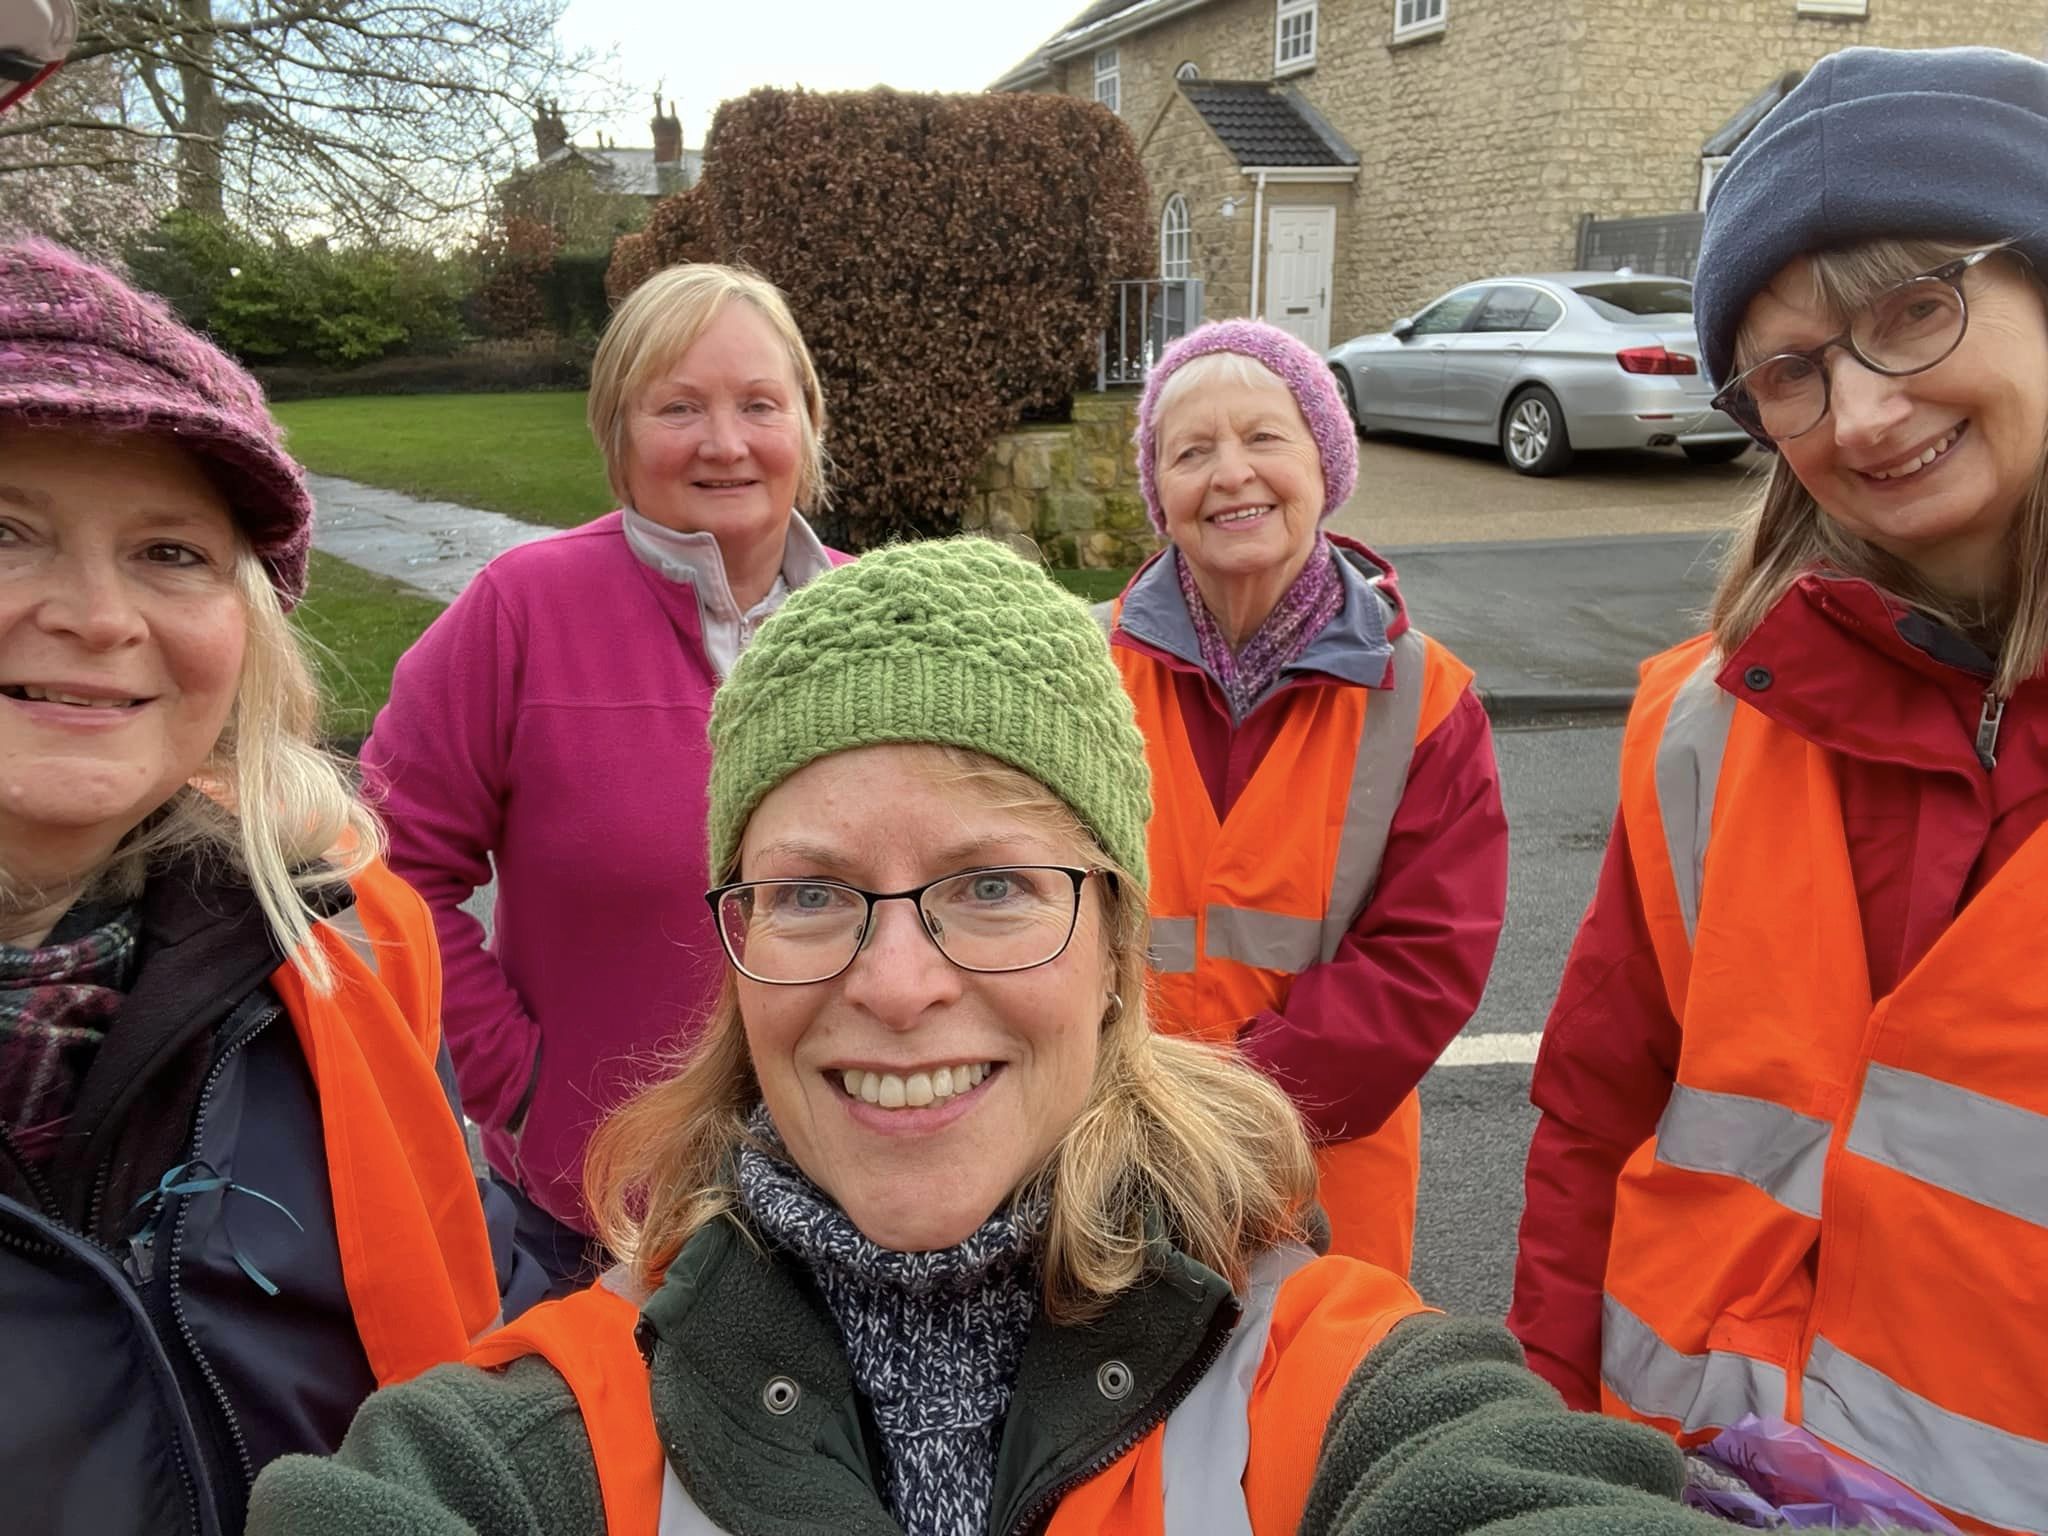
1350	395
1532	434
1714	453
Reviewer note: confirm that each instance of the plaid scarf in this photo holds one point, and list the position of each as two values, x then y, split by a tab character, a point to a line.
56	1004
933	1339
1305	609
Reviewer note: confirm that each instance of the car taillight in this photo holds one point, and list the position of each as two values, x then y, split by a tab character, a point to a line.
1655	360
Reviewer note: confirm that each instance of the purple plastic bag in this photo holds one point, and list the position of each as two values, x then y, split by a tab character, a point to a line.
1768	1474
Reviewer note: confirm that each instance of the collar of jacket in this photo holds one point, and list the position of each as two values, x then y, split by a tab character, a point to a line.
1356	647
732	1318
1853	670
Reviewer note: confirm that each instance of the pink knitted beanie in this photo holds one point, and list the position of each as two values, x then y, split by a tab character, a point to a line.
1290	360
79	347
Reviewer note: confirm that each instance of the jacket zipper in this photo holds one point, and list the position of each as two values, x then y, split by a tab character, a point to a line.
1035	1518
1988	721
97	1255
262	1021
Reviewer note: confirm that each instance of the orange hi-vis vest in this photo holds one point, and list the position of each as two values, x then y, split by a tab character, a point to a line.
1842	1219
1236	1458
1242	906
415	1256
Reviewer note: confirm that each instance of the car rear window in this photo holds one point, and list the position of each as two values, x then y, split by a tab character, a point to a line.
1624	301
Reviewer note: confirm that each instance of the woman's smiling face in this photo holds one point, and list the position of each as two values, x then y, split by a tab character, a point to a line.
1024	1043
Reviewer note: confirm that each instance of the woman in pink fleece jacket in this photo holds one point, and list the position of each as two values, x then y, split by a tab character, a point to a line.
551	725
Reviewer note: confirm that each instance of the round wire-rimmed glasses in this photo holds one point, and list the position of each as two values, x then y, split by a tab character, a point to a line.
1905	330
1006	917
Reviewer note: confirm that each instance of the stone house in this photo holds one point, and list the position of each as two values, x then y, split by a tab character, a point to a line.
589	194
1334	164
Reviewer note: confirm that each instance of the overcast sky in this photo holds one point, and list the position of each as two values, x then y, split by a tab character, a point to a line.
702	51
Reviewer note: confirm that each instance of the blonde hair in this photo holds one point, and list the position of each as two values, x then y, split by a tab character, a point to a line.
1174	1131
1785	533
269	803
659	322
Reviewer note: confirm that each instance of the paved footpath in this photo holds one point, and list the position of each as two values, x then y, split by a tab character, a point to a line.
435	547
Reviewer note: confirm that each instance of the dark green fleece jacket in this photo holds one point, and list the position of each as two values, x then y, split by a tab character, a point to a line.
1441	1430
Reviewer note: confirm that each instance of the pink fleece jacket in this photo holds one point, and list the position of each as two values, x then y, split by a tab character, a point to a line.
552	722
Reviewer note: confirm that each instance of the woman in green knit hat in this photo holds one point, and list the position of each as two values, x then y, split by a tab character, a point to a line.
930	1233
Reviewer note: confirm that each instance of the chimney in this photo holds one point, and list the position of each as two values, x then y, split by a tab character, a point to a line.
550	133
668	134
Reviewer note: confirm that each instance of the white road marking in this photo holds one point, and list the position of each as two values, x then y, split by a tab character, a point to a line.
1492	1050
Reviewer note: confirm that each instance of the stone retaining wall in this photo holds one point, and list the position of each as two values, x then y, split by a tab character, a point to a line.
1072	487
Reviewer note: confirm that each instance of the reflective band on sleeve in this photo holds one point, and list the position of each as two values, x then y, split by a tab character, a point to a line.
348	927
1172	951
1778	1150
1699	1391
1688	770
1379	777
1988	1473
680	1515
1969	1144
1272	941
1208	1440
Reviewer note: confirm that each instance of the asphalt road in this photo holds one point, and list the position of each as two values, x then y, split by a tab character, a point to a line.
1560	787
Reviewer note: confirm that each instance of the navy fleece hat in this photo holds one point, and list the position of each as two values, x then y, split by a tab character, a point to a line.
1877	143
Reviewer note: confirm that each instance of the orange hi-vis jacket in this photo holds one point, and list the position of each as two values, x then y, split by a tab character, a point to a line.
1237	1455
1842	1219
1244	904
415	1255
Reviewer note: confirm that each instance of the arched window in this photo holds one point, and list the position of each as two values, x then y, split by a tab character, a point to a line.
1188	71
1175	259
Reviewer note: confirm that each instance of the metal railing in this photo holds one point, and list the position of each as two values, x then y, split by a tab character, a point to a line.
1150	313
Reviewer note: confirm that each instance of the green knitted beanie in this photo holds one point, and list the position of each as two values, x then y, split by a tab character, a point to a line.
956	642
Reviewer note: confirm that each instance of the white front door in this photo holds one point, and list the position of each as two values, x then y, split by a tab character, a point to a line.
1299	246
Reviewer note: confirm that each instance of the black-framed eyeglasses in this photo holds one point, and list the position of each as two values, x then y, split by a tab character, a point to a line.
1907	329
1007	917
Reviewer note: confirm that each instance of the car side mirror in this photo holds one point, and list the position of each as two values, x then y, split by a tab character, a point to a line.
1401	329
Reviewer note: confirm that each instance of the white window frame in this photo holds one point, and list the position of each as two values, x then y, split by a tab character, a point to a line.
1109	80
1176	245
1711	167
1189	70
1302	14
1419	18
1834	7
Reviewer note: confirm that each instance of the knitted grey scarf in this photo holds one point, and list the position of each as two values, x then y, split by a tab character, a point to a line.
933	1339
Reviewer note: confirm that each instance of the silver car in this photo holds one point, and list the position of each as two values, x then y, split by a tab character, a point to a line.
1544	365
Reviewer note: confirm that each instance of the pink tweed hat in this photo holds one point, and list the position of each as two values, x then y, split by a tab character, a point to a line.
1295	364
79	347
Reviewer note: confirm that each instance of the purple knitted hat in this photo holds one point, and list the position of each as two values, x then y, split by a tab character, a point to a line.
79	347
1296	365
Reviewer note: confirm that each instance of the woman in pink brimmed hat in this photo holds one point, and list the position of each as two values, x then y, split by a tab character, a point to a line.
234	1199
1328	845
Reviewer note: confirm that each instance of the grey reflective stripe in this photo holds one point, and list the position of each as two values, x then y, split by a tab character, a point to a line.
1967	1143
1699	1391
1778	1150
1688	770
1172	949
1964	1463
1379	777
620	1282
680	1515
1208	1442
1208	1439
348	927
1273	941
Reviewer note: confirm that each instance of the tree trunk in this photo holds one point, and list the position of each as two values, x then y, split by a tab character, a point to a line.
199	150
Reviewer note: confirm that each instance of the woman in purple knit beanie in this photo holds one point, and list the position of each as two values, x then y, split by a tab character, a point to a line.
1328	844
233	1196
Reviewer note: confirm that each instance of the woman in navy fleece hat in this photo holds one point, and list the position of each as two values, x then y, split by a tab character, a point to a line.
1795	1086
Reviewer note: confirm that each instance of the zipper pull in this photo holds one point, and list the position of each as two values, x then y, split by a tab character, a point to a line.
142	1255
1987	729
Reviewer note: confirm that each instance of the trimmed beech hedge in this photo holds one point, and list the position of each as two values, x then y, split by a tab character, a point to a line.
488	368
949	259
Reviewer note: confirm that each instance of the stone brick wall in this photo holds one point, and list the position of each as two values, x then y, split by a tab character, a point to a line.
1072	488
1482	146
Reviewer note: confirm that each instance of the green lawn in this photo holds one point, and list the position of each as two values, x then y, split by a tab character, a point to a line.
528	456
360	624
1096	586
